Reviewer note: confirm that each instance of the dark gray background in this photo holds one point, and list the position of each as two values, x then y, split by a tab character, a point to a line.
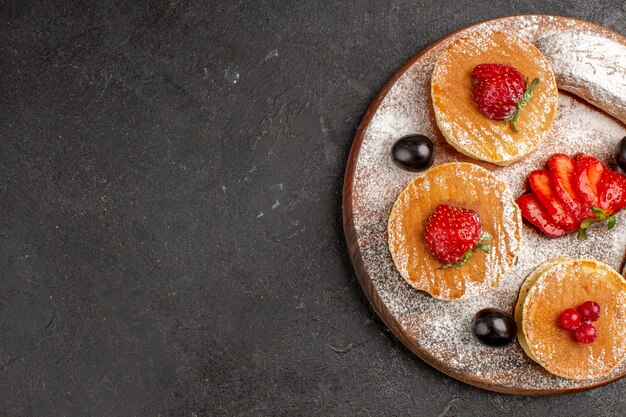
170	210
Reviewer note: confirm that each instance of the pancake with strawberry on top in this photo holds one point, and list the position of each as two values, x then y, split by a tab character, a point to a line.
494	96
454	231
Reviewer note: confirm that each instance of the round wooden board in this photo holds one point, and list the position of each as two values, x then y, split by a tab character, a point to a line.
438	331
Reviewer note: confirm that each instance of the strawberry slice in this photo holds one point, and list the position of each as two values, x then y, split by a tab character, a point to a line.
573	194
612	192
542	187
562	169
588	174
535	213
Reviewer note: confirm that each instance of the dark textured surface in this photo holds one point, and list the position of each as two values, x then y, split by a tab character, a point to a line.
170	229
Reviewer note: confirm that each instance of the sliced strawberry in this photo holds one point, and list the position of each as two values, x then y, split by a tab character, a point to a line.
562	169
541	186
612	192
588	174
535	213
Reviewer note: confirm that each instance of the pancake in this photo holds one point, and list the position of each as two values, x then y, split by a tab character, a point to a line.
463	125
523	292
460	185
566	283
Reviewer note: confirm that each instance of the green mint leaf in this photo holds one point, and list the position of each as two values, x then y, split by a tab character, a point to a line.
484	247
586	223
462	262
611	223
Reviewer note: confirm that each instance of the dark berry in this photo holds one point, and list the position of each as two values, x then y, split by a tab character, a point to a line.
585	333
589	311
569	319
620	154
493	327
413	153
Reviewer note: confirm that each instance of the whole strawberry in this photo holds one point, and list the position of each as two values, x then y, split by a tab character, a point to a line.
501	91
453	233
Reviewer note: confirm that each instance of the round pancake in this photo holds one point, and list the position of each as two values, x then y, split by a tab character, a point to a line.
457	115
566	283
461	185
523	292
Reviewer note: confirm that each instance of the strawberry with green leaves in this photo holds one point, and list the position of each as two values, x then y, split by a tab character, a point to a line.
573	194
501	91
611	189
453	234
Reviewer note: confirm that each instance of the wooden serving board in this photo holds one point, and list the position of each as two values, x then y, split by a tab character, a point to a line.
438	331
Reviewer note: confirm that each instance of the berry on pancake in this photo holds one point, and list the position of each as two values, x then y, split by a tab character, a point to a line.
501	91
453	233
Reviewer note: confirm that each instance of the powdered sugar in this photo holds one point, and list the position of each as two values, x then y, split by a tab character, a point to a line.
439	329
590	66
